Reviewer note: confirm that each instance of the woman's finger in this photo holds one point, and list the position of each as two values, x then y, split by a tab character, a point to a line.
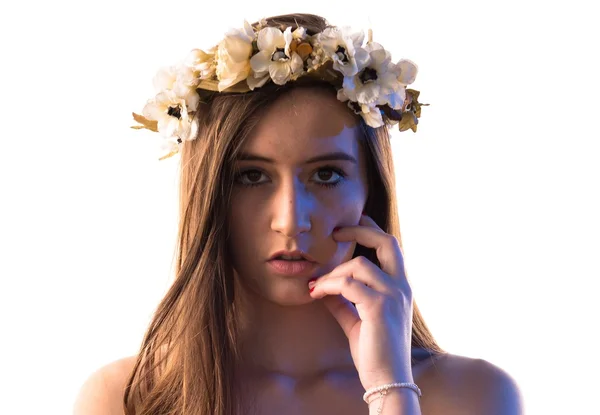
353	290
363	270
386	246
350	290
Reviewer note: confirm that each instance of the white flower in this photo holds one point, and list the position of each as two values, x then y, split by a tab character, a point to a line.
180	80
370	112
406	71
344	48
274	58
171	114
377	82
372	115
233	56
164	79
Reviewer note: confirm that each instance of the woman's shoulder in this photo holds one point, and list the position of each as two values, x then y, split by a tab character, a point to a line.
455	384
103	391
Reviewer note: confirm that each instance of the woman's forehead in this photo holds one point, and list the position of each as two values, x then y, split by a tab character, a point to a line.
298	145
304	120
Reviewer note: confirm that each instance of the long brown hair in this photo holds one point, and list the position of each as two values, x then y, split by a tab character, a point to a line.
187	358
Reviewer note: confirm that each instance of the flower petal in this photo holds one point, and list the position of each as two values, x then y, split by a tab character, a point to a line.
299	33
341	95
297	65
260	62
270	38
362	58
234	79
407	71
164	79
356	37
280	72
256	80
237	49
368	93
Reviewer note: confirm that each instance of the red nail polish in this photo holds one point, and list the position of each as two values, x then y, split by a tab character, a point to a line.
311	289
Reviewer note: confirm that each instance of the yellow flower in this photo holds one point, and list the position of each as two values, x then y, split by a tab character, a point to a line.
274	58
233	56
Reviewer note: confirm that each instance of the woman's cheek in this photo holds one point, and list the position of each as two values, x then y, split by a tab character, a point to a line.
347	203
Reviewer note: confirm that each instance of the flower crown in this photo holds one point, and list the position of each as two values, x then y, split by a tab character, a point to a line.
248	58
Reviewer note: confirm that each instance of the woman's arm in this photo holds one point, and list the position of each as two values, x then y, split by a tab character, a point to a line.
397	401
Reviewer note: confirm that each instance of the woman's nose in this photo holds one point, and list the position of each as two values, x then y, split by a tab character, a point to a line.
291	209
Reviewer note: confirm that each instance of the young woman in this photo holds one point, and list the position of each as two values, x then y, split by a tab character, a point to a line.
291	295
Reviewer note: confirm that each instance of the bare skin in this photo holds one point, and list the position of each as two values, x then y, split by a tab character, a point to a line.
295	356
294	353
284	331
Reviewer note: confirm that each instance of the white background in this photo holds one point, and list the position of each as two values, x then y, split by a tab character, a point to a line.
498	190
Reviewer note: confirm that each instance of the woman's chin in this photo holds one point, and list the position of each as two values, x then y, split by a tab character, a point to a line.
290	296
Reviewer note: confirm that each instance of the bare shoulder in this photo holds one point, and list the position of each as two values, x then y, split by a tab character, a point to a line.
102	392
462	385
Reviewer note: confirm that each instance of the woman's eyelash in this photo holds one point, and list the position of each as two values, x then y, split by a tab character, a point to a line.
334	169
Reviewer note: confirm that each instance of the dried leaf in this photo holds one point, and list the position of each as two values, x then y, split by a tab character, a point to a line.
146	123
172	153
213	85
408	121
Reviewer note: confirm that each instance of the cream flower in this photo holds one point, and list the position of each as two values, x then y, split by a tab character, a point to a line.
344	48
165	78
274	58
180	81
406	71
372	115
377	82
202	63
170	111
233	56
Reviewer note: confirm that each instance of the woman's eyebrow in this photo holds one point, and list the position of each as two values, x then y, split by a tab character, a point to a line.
338	155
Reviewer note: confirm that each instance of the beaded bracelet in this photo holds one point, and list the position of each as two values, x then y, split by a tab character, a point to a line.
383	389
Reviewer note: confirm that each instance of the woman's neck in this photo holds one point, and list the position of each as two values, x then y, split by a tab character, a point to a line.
298	342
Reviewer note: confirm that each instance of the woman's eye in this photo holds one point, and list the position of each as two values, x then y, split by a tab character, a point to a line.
252	177
325	176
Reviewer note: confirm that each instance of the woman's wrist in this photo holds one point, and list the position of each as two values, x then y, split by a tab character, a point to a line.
395	401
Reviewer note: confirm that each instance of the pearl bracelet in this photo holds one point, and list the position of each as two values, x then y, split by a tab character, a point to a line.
384	388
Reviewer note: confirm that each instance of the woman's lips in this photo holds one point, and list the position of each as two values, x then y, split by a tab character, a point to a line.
295	268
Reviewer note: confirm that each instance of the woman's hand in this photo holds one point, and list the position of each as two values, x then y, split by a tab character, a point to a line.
379	329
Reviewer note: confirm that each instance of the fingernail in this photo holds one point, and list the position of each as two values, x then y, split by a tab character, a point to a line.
311	284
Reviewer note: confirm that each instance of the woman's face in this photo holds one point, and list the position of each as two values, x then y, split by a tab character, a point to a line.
284	201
